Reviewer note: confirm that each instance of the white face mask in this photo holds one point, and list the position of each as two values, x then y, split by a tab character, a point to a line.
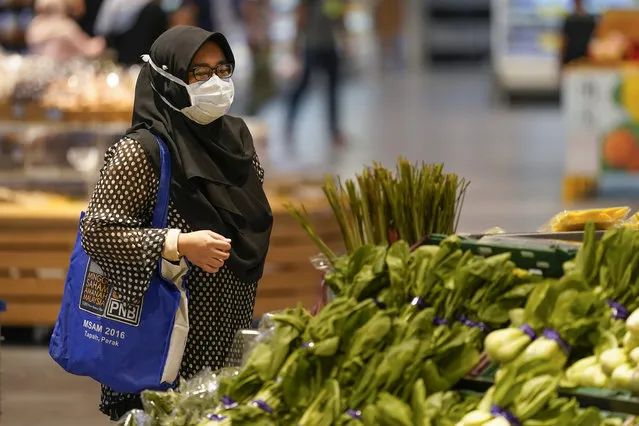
210	99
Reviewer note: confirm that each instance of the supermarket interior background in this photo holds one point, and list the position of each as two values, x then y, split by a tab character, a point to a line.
479	85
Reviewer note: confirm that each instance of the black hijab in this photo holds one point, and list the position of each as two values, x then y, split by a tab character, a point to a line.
214	184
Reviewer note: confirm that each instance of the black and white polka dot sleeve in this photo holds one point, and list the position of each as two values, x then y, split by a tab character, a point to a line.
115	228
258	167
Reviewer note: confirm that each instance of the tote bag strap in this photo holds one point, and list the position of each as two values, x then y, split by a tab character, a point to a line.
161	209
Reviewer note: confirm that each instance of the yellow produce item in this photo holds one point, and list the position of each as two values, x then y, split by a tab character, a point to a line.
576	220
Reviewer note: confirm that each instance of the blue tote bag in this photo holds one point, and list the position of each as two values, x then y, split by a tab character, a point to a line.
129	348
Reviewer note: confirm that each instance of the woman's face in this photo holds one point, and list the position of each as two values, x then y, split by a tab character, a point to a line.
206	60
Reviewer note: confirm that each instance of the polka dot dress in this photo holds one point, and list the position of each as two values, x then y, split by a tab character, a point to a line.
115	234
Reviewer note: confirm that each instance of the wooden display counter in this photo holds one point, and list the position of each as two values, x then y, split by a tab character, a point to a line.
32	112
36	241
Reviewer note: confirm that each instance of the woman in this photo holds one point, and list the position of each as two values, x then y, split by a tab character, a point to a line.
219	217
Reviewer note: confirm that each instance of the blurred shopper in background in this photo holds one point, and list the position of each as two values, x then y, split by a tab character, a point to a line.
256	17
319	25
55	33
185	14
577	32
389	16
130	27
204	14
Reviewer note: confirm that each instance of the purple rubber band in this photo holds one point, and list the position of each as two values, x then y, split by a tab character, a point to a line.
497	411
262	405
440	321
228	403
528	331
308	345
483	327
553	335
216	417
466	321
356	414
619	311
470	323
419	302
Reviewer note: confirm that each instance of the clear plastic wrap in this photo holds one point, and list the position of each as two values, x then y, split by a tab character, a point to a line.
576	220
185	406
321	263
196	400
244	342
136	418
495	230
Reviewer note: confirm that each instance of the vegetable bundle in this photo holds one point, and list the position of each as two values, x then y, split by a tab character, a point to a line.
611	267
560	317
379	208
613	366
523	397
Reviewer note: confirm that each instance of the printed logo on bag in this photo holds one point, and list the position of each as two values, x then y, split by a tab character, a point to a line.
99	298
117	311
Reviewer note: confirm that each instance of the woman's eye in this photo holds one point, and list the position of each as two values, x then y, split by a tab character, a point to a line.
224	71
202	74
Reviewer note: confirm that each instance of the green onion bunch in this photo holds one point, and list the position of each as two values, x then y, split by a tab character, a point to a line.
378	206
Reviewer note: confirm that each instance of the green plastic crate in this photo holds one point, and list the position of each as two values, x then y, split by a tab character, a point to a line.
545	256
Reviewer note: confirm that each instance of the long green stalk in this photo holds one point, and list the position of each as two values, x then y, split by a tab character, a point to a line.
416	200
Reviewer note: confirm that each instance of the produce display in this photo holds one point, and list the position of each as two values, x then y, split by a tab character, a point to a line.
77	85
408	323
93	89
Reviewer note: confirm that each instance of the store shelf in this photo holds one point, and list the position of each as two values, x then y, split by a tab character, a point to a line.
614	402
457	29
464	6
461	36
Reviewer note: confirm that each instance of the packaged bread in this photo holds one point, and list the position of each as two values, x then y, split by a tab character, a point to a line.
576	220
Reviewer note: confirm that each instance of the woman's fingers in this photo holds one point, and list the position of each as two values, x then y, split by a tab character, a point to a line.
219	254
217	236
219	245
210	269
215	262
212	265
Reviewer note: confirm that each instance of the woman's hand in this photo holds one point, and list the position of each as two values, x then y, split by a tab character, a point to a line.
205	249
